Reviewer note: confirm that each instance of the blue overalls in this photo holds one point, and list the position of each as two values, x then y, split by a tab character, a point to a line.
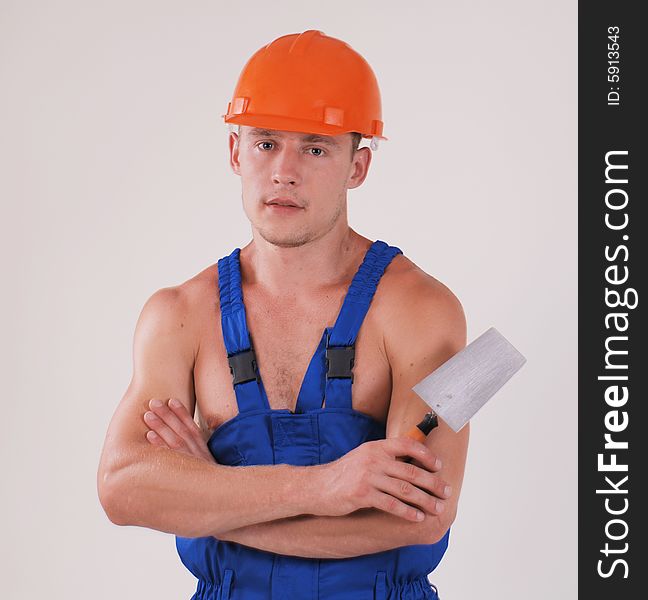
259	435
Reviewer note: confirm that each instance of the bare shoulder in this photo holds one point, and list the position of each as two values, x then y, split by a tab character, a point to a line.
178	310
419	314
199	290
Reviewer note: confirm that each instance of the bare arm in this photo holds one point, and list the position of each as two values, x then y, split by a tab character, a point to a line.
363	532
139	484
433	330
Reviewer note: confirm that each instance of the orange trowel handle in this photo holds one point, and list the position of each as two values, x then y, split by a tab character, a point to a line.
419	432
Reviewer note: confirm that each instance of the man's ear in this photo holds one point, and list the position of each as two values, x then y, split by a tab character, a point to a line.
359	167
234	140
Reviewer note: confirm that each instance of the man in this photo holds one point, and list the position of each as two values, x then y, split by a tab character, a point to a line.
292	484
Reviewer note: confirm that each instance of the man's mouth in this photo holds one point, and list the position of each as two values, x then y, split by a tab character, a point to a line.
285	202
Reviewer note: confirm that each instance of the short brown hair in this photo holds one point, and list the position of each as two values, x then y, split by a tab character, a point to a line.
356	138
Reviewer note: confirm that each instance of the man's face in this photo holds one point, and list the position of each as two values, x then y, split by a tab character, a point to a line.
294	184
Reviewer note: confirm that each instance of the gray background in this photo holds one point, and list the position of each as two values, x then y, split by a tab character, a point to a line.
115	183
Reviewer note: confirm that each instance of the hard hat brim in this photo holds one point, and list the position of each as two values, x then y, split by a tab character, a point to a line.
281	123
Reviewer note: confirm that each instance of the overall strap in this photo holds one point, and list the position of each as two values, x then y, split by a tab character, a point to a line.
240	353
340	344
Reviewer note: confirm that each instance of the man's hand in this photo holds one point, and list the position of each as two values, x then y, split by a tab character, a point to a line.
171	426
371	476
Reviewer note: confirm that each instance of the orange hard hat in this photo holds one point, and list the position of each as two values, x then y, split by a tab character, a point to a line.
308	82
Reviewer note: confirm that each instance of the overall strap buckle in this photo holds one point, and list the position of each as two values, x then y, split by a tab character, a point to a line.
243	366
339	362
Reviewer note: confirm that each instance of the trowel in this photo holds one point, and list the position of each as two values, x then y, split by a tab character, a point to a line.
457	389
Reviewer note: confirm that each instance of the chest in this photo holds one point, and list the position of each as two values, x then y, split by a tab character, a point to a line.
285	337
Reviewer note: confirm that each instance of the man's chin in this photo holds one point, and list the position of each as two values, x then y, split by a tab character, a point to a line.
286	240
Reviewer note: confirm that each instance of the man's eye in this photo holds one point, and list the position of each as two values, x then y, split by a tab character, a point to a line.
319	151
266	144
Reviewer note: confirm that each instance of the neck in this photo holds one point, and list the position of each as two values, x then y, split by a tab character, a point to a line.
300	269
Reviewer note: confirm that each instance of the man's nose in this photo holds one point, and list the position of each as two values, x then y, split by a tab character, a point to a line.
285	170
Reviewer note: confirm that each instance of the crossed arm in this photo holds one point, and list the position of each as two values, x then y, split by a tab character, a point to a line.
364	531
163	367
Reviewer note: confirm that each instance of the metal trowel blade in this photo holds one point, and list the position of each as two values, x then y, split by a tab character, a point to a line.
457	389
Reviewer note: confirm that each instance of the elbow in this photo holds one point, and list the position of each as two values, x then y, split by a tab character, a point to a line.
109	497
113	496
